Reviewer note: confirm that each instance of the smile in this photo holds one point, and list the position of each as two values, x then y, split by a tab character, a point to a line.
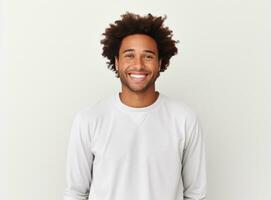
138	77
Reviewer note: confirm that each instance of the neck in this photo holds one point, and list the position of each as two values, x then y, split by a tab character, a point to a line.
138	99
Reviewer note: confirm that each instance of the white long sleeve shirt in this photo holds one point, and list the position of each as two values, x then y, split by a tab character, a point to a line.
117	152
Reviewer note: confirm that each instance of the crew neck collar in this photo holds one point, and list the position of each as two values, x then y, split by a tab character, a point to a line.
123	106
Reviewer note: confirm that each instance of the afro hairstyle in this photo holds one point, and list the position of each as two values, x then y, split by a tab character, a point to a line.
130	24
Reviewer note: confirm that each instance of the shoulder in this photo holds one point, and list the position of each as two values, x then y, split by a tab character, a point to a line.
95	111
179	109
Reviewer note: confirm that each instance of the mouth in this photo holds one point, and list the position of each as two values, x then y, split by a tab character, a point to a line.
138	77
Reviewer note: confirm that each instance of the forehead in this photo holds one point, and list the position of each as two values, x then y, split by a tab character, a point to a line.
138	42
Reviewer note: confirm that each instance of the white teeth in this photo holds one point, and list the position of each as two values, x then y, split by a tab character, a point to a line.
137	76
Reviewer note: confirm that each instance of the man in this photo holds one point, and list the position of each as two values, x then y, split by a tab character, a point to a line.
138	144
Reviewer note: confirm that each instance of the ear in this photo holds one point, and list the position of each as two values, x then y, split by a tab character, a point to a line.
160	63
116	62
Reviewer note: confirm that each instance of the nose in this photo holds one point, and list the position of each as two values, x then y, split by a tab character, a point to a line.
138	62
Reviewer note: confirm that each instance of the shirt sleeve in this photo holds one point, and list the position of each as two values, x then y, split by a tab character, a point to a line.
79	162
194	164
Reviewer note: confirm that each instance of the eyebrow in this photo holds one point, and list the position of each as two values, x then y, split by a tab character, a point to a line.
148	51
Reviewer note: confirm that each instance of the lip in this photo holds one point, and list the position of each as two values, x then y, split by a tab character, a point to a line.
138	80
138	73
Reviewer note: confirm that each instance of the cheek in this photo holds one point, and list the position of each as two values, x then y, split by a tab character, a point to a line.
155	66
124	62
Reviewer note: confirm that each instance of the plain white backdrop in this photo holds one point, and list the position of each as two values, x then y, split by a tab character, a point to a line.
55	68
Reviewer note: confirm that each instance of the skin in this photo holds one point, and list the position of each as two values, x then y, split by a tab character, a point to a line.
138	54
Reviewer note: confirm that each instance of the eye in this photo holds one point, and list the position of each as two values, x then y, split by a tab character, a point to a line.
149	56
129	55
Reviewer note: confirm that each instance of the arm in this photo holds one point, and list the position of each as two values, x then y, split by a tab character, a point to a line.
79	162
193	162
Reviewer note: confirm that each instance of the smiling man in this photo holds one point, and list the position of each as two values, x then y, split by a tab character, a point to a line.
138	67
138	144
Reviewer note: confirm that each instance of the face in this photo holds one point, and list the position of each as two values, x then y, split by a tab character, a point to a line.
138	64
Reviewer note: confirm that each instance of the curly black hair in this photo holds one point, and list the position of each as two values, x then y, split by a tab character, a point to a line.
130	24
